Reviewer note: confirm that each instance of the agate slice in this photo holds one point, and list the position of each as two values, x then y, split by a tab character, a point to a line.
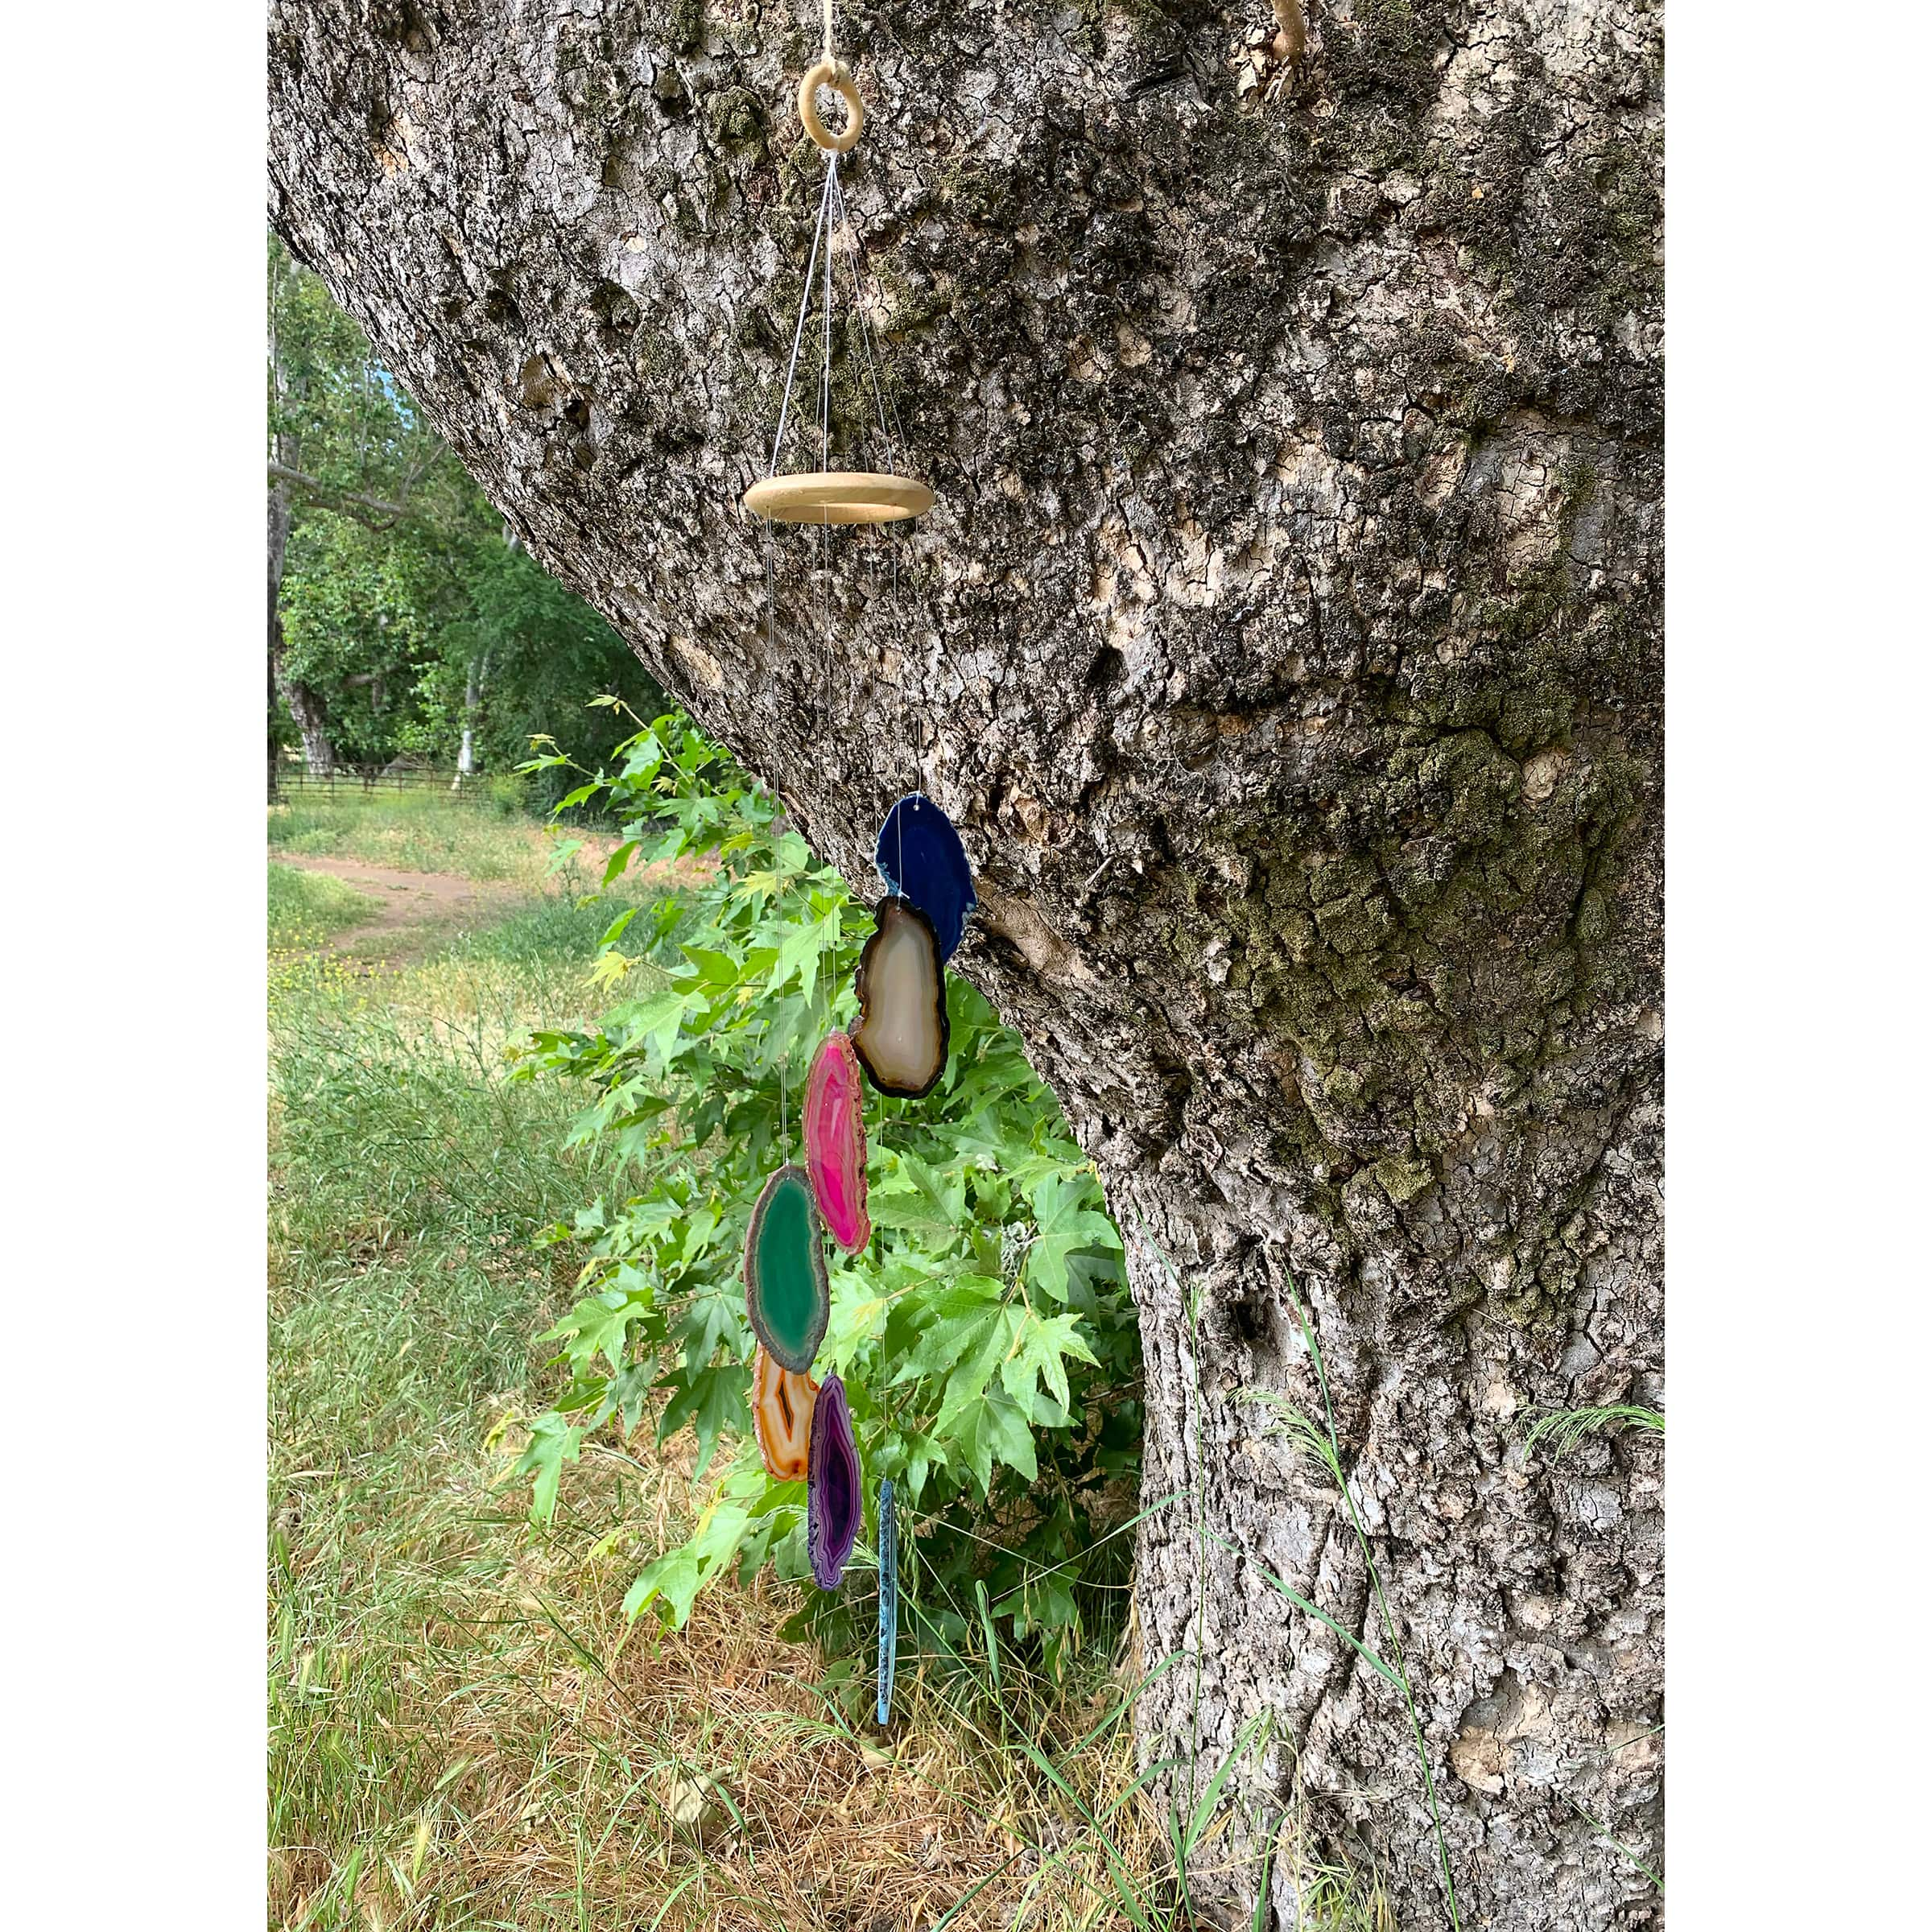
919	854
835	1142
901	1034
834	1503
889	1599
782	1403
786	1292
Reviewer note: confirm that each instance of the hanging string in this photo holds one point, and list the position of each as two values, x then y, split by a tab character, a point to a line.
825	688
771	605
831	202
868	346
888	423
798	336
891	433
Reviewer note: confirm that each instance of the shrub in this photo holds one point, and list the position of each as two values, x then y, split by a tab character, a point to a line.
986	1336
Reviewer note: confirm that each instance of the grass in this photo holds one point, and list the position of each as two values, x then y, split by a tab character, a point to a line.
1562	1429
419	831
305	907
464	1732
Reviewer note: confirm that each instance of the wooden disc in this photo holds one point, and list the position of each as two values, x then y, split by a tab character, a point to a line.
838	495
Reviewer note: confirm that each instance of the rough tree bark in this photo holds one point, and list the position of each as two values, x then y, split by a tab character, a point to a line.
1286	644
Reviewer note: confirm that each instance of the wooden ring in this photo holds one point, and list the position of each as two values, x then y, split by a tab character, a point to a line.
837	75
838	495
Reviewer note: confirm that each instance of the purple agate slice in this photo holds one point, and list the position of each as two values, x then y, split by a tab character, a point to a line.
834	1503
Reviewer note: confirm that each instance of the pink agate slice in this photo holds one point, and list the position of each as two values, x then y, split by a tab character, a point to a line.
835	1142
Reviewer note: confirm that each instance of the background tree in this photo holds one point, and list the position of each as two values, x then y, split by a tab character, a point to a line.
404	617
1287	645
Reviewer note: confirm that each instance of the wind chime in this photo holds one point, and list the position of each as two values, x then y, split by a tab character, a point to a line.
899	1041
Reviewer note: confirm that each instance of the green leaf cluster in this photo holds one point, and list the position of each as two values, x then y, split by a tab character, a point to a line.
986	1336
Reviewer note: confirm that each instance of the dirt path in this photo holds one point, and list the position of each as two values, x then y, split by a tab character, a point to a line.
412	908
413	911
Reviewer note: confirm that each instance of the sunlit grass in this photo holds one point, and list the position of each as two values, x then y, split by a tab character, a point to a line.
305	907
418	831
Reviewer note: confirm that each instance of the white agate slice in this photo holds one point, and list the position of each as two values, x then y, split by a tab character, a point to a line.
901	1034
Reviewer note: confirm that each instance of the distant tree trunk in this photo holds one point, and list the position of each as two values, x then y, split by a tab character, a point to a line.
305	705
1287	645
278	550
472	702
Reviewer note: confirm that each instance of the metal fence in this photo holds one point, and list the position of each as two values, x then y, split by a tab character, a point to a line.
297	784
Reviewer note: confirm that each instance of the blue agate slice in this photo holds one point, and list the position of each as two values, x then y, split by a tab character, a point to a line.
920	856
889	1599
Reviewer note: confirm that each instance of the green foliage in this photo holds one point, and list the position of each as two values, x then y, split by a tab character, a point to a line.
306	906
542	652
409	610
986	1336
362	614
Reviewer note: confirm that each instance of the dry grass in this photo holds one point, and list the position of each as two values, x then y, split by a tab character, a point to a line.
546	1747
465	1733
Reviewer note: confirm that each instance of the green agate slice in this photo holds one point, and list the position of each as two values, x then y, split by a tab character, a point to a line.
787	1295
901	1037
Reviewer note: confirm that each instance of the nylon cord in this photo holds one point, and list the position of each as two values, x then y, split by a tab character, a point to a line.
841	216
798	334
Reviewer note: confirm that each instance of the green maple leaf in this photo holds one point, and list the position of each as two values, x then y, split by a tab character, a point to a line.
716	970
979	1361
714	1316
1066	1226
657	1021
917	1200
805	945
599	1323
711	1400
699	1232
552	1443
673	1580
994	1431
1038	1348
962	1314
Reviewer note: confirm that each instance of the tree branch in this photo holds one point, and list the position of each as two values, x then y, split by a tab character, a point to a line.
369	510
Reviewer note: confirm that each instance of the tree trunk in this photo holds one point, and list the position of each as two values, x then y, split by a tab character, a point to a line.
278	552
1286	643
472	703
305	706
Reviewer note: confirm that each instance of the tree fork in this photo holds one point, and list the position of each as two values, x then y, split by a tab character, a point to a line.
1287	645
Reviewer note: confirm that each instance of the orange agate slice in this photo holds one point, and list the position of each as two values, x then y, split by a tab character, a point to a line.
782	1403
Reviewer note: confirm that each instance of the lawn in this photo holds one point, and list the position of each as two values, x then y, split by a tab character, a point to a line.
423	832
465	1733
305	907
